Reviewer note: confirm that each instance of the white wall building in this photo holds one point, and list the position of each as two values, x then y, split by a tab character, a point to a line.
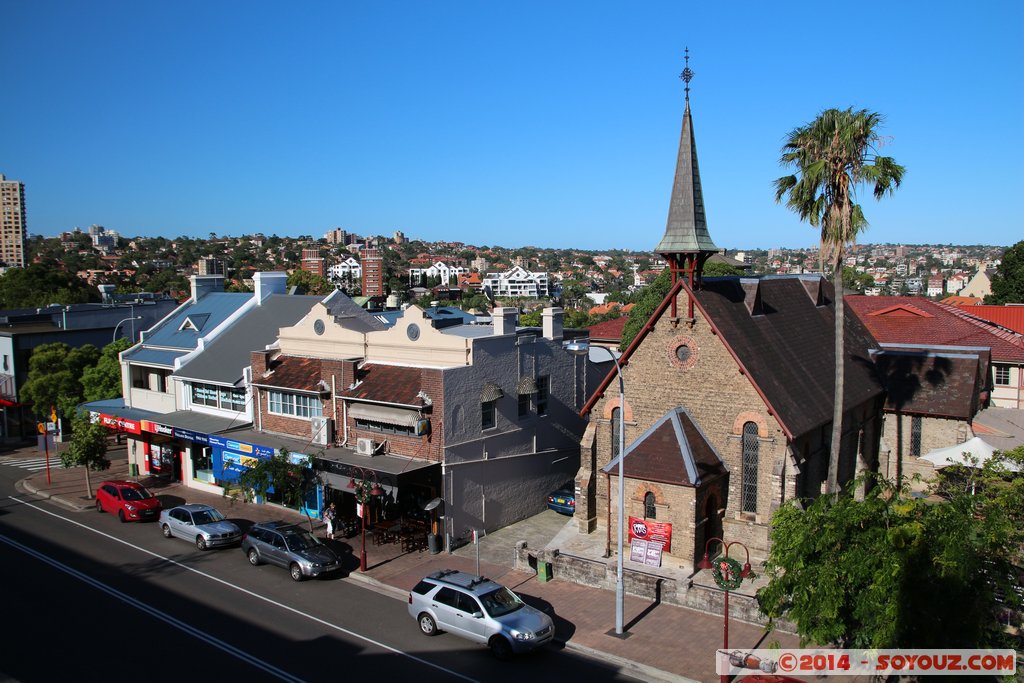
348	270
449	274
516	282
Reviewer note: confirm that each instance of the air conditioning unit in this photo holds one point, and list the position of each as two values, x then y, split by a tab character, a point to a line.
320	428
366	446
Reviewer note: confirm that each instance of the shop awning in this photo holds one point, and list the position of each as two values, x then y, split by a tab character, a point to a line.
385	414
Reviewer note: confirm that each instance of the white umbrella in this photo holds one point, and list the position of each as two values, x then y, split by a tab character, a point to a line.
973	453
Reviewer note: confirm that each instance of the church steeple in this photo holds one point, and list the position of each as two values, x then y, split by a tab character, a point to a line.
686	244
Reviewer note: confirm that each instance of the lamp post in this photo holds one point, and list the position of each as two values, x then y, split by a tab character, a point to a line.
728	574
580	348
134	317
363	490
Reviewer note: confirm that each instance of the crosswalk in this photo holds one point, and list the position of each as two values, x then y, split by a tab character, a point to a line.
33	464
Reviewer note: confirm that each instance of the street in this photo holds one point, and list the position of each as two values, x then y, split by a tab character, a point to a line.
90	598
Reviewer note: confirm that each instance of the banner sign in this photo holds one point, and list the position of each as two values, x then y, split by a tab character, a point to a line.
157	428
121	424
645	552
649	530
189	435
240	448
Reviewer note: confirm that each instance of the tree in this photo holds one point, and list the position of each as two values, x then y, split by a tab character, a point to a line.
832	156
88	448
309	282
1008	281
39	285
718	269
893	570
54	377
857	281
647	301
291	478
103	380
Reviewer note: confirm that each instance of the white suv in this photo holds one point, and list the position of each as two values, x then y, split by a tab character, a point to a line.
480	610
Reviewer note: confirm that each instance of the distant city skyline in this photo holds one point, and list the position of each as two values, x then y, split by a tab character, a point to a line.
533	124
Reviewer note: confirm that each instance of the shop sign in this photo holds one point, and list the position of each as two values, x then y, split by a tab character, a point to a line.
189	435
649	530
240	447
157	428
121	424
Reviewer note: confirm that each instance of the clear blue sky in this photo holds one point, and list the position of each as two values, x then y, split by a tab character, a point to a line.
552	124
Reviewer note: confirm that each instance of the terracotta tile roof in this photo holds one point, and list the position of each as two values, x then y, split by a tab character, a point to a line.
609	330
1011	317
609	307
674	451
917	320
394	384
958	300
292	372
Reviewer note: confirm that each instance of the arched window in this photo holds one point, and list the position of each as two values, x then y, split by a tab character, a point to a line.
650	511
616	426
748	495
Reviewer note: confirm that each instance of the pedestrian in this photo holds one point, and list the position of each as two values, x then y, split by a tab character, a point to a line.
329	516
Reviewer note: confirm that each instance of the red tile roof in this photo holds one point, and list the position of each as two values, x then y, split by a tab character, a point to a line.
958	300
1011	317
610	330
394	384
917	320
292	372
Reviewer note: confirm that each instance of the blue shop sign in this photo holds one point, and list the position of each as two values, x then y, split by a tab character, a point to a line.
189	435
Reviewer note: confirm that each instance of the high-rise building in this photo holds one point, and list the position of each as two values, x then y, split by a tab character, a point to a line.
209	265
313	262
372	265
12	222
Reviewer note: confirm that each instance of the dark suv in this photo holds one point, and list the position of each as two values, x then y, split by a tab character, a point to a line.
290	546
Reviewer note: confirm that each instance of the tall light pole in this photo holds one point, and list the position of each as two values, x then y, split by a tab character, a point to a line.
133	318
728	575
363	490
581	348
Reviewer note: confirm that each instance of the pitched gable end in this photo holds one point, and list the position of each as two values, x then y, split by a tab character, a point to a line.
901	310
194	322
813	288
752	295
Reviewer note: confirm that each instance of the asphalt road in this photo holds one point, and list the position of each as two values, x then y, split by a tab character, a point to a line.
89	598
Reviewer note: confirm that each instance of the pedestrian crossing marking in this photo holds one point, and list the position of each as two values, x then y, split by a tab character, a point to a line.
31	464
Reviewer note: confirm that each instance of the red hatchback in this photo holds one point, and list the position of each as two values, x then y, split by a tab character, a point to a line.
129	499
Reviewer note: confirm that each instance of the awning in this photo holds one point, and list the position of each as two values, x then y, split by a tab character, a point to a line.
378	413
526	385
491	392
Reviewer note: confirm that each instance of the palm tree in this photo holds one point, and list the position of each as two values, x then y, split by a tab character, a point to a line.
832	156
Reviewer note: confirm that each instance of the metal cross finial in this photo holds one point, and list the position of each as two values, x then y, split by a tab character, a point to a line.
687	74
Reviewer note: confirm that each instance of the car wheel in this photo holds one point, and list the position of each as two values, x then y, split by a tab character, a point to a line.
500	648
427	625
166	531
120	516
99	506
254	557
296	571
201	543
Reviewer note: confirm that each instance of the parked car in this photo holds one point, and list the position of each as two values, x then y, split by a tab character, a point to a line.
129	499
563	500
201	524
480	610
290	546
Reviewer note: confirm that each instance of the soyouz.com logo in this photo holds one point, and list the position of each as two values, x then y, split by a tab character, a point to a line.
640	530
904	662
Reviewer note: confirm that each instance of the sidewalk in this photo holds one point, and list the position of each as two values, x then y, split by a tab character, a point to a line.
664	643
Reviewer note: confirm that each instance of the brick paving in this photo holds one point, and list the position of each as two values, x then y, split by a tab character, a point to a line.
666	642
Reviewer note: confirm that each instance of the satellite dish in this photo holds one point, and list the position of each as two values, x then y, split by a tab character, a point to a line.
433	504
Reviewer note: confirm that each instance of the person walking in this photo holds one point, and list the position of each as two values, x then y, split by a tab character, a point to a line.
330	514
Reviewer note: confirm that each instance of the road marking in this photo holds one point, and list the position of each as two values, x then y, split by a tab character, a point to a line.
336	627
33	464
205	637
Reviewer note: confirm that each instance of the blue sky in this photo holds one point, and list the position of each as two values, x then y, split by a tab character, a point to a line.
549	124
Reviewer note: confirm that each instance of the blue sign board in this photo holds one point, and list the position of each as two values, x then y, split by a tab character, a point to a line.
189	435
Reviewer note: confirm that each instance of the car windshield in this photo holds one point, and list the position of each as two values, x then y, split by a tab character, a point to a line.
501	602
300	540
135	494
207	517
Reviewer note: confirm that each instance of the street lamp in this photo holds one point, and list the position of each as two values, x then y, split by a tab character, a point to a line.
728	574
134	317
363	490
581	348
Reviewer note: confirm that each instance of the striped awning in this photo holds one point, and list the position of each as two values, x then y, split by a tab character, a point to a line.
491	392
385	414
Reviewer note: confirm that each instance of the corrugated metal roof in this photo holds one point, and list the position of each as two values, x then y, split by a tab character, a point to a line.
211	310
153	356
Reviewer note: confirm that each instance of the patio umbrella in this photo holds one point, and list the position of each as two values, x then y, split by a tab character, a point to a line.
977	452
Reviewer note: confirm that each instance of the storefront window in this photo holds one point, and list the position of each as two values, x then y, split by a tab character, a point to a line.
202	464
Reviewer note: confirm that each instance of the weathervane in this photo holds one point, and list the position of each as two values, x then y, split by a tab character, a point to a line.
687	74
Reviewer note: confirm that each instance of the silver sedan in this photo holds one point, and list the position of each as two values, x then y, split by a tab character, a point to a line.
201	524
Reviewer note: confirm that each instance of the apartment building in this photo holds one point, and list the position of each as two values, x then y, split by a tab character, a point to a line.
12	222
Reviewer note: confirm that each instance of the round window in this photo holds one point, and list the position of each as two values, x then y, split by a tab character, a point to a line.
413	332
683	353
318	326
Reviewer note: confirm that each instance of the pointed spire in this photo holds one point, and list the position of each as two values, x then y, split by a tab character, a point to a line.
687	229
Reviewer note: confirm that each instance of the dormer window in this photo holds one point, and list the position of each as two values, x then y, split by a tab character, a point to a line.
194	323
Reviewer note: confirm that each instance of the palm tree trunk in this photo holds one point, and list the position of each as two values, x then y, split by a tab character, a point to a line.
840	348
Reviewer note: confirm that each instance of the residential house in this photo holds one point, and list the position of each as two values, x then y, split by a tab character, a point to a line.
516	282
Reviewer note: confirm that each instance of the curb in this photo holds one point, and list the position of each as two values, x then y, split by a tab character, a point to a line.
27	486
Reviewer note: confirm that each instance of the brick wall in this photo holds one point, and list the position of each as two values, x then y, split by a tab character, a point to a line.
936	432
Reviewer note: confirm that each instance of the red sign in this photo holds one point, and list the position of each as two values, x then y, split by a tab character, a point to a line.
121	424
649	530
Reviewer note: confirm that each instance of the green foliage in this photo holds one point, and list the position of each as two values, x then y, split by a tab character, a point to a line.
893	570
311	283
292	482
531	319
646	301
54	377
1008	281
103	380
39	285
857	281
719	269
88	448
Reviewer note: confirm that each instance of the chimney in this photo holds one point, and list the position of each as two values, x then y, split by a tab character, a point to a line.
259	360
504	320
272	282
205	284
552	323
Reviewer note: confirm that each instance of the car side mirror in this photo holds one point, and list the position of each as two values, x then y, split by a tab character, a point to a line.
478	615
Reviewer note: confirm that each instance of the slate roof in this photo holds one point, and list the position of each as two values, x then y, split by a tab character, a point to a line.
917	320
206	314
222	361
781	330
937	381
350	314
393	384
673	451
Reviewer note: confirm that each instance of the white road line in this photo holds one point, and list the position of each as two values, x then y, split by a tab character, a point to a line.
207	638
281	605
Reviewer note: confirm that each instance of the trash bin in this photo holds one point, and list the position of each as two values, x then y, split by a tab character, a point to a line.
133	470
543	570
434	543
